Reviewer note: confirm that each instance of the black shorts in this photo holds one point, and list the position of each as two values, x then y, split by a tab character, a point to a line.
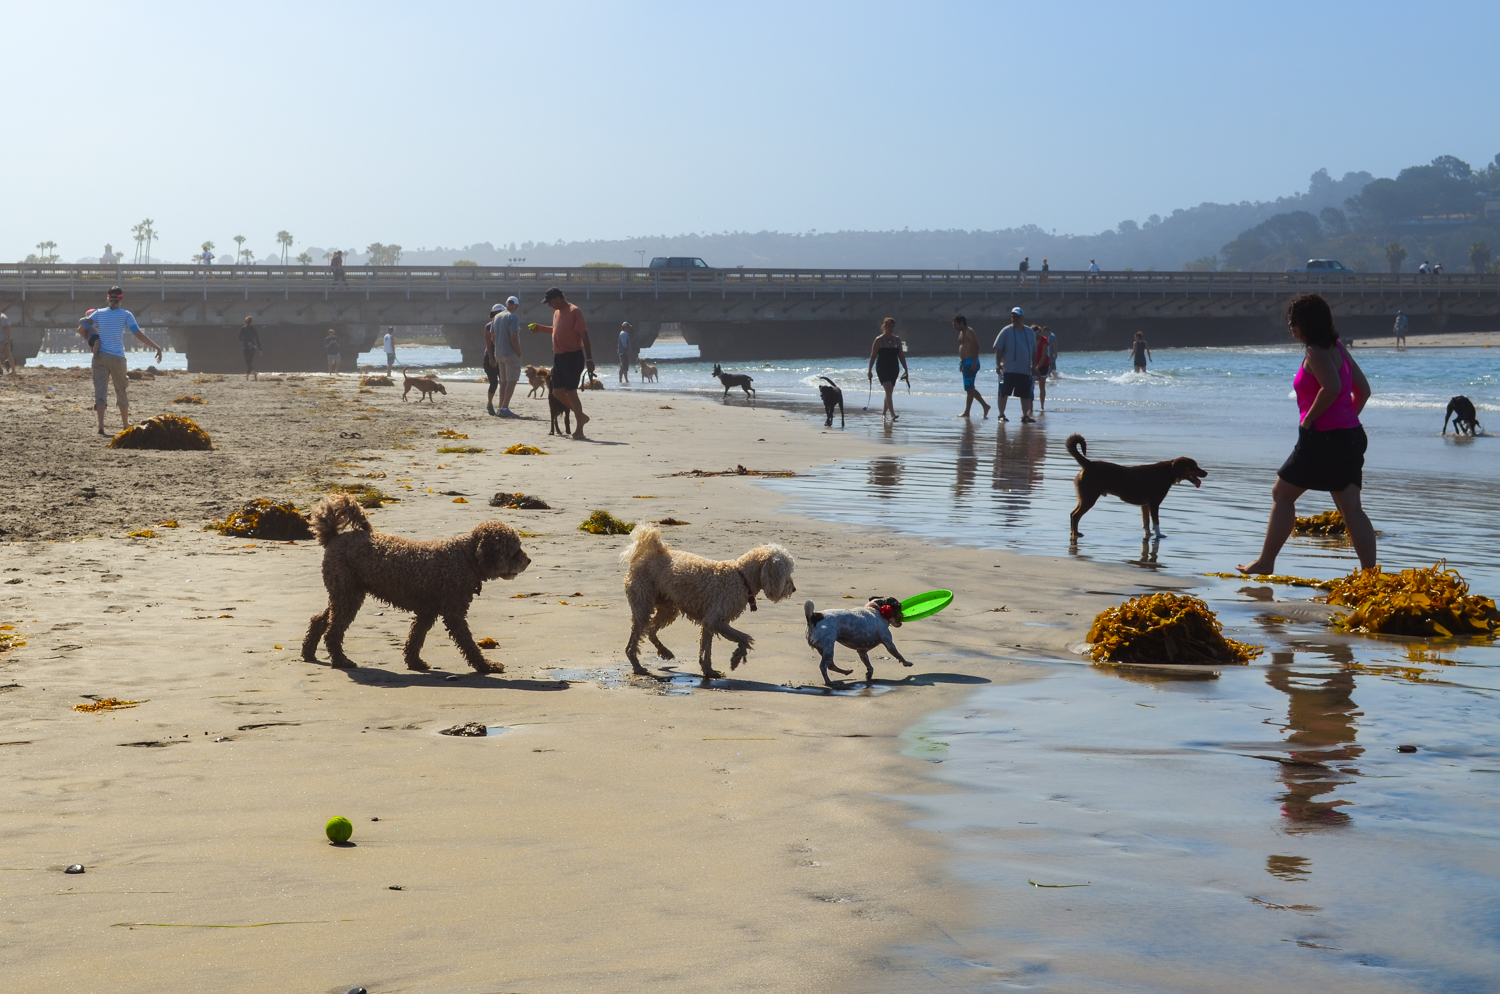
1044	370
492	370
1016	385
1326	460
567	370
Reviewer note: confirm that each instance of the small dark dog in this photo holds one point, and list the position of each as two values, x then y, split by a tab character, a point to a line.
734	380
832	397
431	579
861	629
559	409
425	385
1465	418
1146	486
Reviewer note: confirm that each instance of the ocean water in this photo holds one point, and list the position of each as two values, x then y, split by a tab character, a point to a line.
1251	829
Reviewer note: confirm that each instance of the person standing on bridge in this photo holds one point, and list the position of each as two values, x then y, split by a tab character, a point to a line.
337	264
571	352
1024	268
1045	269
887	359
968	364
105	331
250	346
1015	358
1093	271
623	347
1400	330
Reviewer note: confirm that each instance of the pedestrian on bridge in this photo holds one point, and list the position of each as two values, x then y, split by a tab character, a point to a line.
1093	271
887	359
968	364
1024	268
571	352
1015	361
105	331
250	346
337	264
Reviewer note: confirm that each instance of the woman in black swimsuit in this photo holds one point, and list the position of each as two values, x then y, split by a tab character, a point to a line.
1140	352
887	359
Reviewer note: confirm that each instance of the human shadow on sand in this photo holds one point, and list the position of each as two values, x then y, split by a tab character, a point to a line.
374	676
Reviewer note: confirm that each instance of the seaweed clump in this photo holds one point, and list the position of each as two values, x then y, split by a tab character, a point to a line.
10	638
1165	628
268	520
1430	601
165	431
604	523
1327	523
190	399
524	502
377	381
524	450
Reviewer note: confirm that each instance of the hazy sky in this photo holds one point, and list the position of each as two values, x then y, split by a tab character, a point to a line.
451	123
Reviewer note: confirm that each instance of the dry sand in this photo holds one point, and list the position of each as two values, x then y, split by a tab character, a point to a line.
612	838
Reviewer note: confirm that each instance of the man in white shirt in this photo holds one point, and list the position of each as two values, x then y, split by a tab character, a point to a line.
1015	361
390	352
109	324
624	349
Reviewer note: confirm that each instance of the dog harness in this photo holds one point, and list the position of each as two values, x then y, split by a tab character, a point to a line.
750	592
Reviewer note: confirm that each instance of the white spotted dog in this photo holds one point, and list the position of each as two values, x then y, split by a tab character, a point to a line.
861	629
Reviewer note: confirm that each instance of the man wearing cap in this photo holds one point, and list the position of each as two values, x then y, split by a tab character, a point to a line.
105	331
1015	361
571	352
502	354
624	349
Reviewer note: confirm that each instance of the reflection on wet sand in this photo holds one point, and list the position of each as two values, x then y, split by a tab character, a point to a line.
1320	730
1019	455
885	476
968	461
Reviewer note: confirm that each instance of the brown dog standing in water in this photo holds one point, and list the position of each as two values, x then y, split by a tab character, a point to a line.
1146	486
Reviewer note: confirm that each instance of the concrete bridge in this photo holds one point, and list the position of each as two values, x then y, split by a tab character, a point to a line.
731	314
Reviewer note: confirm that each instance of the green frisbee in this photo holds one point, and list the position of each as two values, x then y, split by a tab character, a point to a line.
925	605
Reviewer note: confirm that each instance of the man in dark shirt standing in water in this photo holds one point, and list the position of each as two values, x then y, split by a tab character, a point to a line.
571	352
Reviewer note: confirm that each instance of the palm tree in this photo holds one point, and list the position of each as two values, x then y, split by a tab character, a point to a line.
305	259
239	241
284	238
1479	256
1395	255
139	233
47	255
148	233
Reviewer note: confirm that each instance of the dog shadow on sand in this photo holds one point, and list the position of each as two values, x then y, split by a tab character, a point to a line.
842	688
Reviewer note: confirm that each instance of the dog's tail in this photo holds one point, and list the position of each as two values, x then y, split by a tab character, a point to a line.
1078	449
335	514
645	540
813	617
830	382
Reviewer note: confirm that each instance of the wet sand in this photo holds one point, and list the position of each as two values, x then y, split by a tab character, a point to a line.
613	835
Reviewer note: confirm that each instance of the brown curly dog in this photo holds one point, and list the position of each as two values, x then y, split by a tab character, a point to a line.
711	593
430	579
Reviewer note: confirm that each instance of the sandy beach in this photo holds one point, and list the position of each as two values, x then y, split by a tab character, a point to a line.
612	834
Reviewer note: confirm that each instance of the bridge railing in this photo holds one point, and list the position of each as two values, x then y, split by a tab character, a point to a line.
158	280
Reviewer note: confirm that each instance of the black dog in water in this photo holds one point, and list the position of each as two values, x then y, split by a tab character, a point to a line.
734	380
1465	419
832	397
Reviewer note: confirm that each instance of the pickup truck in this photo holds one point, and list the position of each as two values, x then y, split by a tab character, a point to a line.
1323	267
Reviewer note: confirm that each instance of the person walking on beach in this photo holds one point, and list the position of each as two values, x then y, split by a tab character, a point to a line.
1015	351
491	367
1140	352
1400	330
1331	392
250	346
968	364
390	352
887	359
105	329
331	347
571	352
506	346
7	349
1043	363
623	347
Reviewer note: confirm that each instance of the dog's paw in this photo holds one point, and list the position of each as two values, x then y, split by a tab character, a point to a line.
906	663
489	666
662	652
712	675
344	663
417	664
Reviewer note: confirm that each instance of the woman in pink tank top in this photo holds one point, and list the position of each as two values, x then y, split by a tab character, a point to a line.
1330	454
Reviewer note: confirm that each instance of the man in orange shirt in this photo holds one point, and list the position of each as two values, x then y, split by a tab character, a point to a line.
571	352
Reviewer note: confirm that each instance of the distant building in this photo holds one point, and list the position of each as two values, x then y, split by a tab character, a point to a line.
108	258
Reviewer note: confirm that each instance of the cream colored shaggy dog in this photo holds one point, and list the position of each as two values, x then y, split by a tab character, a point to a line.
431	579
710	593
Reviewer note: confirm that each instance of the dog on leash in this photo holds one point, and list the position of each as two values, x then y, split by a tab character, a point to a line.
558	409
648	372
832	397
712	594
731	380
1465	418
1146	486
434	579
425	385
540	378
860	629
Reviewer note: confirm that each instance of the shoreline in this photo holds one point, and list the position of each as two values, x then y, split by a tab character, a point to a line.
610	815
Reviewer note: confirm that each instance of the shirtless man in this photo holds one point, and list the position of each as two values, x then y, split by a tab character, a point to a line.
968	364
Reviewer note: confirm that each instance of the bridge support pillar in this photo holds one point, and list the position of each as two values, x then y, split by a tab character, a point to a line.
285	348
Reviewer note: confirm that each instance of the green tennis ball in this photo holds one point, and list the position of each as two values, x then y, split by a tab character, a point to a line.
338	829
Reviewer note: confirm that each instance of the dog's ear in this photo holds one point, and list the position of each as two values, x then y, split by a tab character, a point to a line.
776	573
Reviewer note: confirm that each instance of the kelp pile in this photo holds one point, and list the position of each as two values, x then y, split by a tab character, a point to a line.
1432	601
10	638
190	398
524	450
165	431
1282	578
520	501
261	518
1165	628
450	433
1328	523
107	704
377	381
472	450
604	523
